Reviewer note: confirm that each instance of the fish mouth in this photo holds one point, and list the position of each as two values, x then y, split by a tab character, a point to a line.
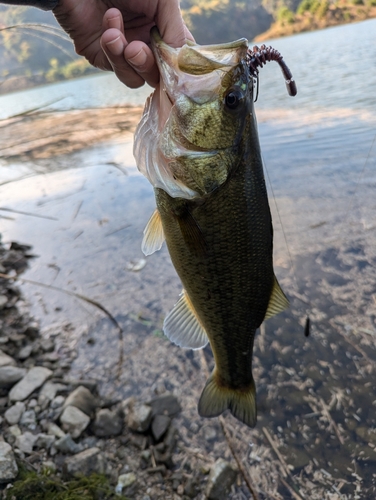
180	67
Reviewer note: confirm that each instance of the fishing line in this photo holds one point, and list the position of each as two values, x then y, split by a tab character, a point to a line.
361	174
308	321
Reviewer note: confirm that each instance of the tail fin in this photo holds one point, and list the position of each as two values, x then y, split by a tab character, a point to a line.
215	400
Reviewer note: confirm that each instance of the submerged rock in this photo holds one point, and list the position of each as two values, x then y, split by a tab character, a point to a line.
222	476
9	375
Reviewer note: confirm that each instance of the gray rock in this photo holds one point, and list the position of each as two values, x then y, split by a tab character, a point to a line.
25	352
67	445
85	463
8	465
48	466
25	442
210	433
222	476
159	426
107	423
139	417
82	399
124	481
44	441
3	301
9	375
167	404
50	389
55	430
32	380
74	421
14	413
6	360
28	419
57	402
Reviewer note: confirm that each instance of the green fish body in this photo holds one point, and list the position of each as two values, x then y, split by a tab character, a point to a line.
214	214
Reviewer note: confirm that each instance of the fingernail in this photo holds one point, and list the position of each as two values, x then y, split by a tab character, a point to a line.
116	46
139	59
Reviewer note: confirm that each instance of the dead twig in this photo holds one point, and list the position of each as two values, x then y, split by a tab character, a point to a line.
230	440
285	467
30	214
332	423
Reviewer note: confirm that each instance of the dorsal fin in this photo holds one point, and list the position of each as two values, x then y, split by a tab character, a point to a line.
153	234
278	301
183	327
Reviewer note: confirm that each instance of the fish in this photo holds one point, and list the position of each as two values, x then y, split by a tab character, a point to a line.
197	143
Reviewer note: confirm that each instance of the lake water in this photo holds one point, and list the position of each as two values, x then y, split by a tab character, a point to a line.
320	156
334	69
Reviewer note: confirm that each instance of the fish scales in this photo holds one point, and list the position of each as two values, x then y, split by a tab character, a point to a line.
230	283
198	145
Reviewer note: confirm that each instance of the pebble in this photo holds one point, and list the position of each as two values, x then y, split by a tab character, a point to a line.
159	426
107	423
74	421
9	375
124	481
25	352
6	360
8	465
3	301
28	419
85	463
222	476
44	441
66	445
55	430
167	404
14	413
57	402
29	383
139	417
82	399
26	441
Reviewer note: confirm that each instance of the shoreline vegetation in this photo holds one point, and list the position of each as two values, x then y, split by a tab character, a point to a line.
312	15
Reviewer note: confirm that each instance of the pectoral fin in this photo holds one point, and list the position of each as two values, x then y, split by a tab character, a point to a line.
278	301
183	327
192	234
153	235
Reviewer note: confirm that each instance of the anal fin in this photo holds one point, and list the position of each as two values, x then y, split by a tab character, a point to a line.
153	234
183	327
278	301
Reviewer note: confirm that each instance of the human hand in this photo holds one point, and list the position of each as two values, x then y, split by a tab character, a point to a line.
115	34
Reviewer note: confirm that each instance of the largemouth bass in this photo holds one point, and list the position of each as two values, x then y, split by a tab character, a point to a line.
198	145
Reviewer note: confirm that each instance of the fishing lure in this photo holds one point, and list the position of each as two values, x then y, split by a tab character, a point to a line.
258	56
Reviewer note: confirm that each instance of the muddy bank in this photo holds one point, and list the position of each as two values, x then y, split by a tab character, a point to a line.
37	135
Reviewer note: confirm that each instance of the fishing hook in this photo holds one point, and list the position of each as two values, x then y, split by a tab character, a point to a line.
259	56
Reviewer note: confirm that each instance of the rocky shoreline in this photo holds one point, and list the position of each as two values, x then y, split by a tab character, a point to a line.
51	422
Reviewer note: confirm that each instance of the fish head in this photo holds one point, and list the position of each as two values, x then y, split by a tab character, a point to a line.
187	140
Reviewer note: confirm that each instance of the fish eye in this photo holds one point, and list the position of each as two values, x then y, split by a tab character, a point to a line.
233	99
